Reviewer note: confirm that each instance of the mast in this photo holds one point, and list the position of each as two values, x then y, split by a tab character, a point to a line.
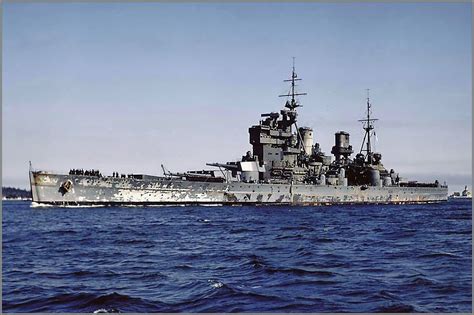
293	104
368	127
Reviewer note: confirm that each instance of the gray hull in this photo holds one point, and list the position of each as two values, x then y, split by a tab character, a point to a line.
90	190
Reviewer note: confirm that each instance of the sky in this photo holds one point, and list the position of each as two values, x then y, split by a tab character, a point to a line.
129	86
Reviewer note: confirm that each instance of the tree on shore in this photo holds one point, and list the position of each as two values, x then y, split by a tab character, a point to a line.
14	193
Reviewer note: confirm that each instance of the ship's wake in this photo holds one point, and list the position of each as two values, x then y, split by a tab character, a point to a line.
48	205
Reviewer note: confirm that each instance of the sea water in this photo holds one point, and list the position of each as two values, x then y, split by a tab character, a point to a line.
355	258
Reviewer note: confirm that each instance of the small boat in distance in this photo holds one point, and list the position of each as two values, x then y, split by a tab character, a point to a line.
465	194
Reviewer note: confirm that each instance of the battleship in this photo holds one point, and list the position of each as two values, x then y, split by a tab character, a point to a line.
285	167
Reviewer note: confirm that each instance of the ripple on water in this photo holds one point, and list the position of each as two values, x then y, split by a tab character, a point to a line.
404	258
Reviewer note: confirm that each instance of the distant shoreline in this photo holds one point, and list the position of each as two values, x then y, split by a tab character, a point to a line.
11	193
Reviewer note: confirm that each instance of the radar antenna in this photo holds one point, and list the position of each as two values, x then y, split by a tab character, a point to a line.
368	127
293	104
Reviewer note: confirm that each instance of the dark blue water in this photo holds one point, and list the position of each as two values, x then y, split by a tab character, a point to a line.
391	258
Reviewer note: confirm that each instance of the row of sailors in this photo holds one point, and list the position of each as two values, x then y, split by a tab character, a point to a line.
86	172
117	175
96	173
